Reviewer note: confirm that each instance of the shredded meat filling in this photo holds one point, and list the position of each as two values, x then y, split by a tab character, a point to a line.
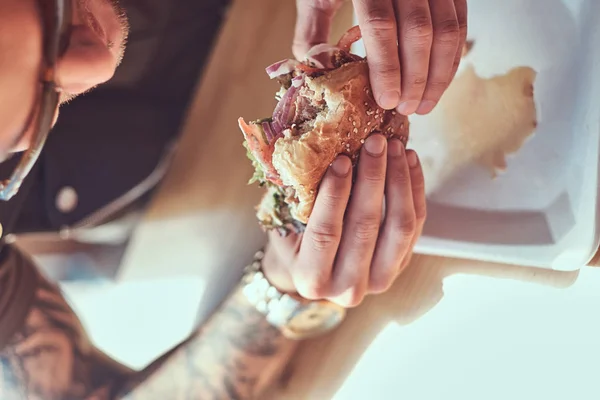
307	107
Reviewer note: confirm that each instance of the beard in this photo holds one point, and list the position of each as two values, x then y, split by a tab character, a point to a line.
124	24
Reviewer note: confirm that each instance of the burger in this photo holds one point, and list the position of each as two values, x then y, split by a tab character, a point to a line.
325	108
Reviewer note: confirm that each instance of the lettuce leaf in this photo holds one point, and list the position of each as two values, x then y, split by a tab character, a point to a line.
259	174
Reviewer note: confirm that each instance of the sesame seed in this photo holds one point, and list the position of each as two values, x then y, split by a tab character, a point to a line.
366	130
362	140
402	126
355	130
350	119
348	134
353	123
366	104
368	123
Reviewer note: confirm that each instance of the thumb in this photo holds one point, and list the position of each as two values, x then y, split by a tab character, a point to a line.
313	24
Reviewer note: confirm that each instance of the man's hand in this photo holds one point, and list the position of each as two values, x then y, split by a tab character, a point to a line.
413	46
347	251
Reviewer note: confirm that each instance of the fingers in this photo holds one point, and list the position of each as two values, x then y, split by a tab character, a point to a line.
311	274
444	51
417	184
415	33
377	21
413	47
460	6
400	221
313	24
419	201
361	227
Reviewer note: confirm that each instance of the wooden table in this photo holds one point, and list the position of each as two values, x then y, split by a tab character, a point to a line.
202	223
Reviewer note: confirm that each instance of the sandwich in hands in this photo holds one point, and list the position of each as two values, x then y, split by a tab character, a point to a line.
325	108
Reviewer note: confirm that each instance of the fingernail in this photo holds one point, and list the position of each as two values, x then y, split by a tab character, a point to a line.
341	166
375	145
389	99
408	107
395	147
412	158
426	107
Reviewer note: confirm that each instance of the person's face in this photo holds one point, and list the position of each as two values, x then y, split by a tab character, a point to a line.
95	49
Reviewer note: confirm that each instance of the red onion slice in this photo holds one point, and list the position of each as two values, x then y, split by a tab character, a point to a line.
266	126
297	81
277	127
283	113
281	68
321	55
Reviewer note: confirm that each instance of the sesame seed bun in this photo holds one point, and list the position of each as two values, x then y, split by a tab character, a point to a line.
349	117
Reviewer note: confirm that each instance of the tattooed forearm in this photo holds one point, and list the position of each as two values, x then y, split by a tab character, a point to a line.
50	357
234	356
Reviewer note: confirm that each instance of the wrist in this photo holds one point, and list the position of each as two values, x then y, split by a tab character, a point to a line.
295	317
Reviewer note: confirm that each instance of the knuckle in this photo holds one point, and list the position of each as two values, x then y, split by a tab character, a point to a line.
366	228
324	236
374	176
380	283
418	25
418	183
380	25
388	71
313	288
417	81
421	211
352	297
435	89
332	199
447	31
399	177
404	229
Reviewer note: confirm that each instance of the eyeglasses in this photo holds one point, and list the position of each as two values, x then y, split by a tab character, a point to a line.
56	22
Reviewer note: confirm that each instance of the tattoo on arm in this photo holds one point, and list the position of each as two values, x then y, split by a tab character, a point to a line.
50	357
233	356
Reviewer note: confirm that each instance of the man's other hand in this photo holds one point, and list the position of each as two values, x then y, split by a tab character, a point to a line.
413	46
